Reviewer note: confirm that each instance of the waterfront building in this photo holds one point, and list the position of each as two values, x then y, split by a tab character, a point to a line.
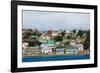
79	46
25	45
72	42
70	49
45	49
32	51
59	51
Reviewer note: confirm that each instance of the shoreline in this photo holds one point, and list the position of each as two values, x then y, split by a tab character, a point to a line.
76	54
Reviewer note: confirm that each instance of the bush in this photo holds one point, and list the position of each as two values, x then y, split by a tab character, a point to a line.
58	38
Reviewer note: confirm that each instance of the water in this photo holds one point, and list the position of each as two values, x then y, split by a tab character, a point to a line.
55	58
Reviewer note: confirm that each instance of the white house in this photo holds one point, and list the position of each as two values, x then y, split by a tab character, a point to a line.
54	34
45	49
44	37
25	45
71	49
80	46
72	42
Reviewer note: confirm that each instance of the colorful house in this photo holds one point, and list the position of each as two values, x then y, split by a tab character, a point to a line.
45	49
33	37
33	50
71	49
25	44
72	42
47	46
59	51
50	43
24	48
80	46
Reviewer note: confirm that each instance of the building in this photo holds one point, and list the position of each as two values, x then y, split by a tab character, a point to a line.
71	49
50	43
79	46
27	30
32	51
72	42
54	34
45	49
25	45
65	39
43	41
33	37
59	51
57	43
24	48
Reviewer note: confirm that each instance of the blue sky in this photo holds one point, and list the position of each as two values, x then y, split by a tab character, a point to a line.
44	21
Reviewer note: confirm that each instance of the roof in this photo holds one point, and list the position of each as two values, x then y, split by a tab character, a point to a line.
34	47
71	47
33	36
48	41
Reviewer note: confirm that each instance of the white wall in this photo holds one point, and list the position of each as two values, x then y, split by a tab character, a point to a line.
5	36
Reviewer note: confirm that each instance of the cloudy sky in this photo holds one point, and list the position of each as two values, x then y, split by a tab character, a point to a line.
44	21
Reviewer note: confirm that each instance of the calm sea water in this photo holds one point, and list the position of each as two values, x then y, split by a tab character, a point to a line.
54	58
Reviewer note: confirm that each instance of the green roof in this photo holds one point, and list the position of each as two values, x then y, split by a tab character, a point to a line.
48	41
51	41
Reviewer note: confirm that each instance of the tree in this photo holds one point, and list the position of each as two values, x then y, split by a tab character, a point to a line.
58	38
68	37
74	31
86	43
67	43
36	32
63	33
34	43
26	35
80	33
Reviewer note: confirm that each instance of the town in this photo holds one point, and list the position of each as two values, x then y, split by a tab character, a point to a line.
51	42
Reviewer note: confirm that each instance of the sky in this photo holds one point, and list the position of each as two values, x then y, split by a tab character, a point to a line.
43	20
